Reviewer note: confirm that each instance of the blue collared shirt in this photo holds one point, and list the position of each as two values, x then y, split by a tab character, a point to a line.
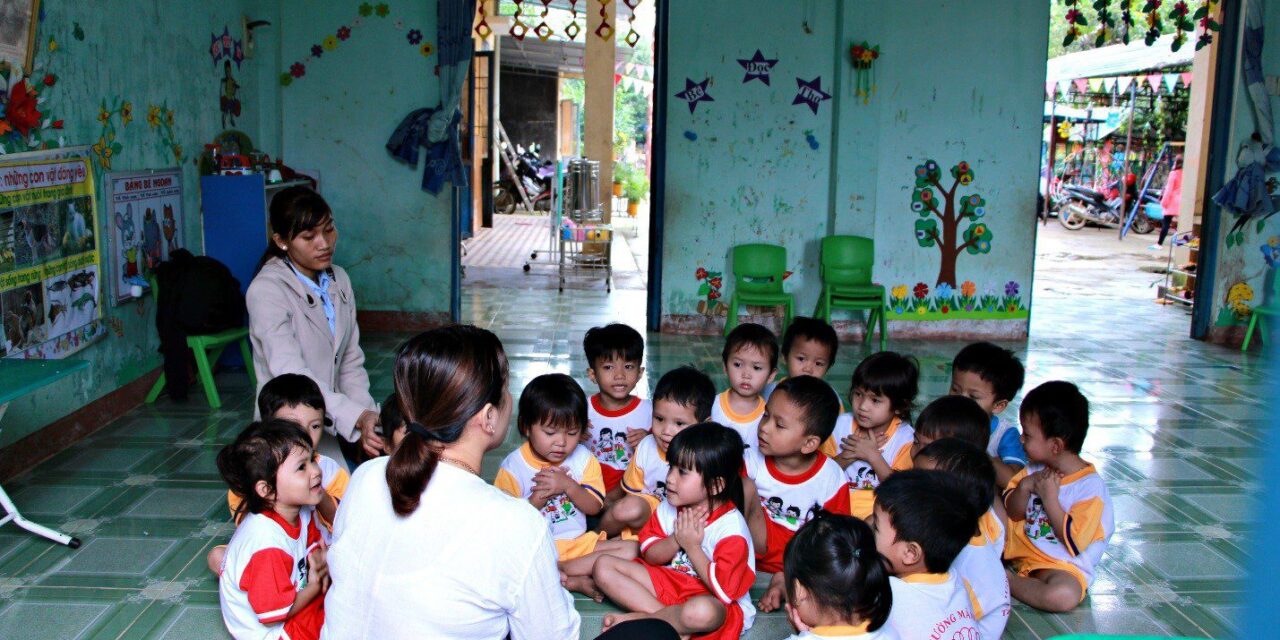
320	287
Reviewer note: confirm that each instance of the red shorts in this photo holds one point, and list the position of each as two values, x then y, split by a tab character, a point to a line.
776	539
673	587
612	477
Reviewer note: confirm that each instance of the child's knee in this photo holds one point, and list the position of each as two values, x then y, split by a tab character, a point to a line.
632	511
702	613
1062	597
605	568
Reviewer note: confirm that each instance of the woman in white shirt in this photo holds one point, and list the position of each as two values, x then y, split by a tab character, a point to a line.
424	548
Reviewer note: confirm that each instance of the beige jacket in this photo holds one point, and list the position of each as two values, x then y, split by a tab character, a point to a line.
290	334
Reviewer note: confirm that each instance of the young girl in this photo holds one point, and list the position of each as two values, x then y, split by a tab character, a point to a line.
697	552
561	478
837	586
875	439
275	572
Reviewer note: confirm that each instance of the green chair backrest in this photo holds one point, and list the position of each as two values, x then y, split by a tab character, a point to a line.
847	260
759	268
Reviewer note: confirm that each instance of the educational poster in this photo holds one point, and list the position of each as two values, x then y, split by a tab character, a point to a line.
146	225
49	280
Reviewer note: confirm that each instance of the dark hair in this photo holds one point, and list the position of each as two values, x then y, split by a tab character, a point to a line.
817	400
552	398
443	377
390	417
289	390
995	365
613	340
967	462
835	558
751	335
1062	410
255	456
955	417
890	374
931	510
715	451
687	387
802	327
294	210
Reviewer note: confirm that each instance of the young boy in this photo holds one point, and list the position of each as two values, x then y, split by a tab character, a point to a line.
682	399
616	420
750	359
809	349
992	376
922	520
791	476
979	563
1059	508
951	417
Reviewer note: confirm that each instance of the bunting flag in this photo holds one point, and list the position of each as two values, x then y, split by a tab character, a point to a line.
1109	85
1170	81
1186	79
1051	88
1064	86
1095	85
1123	83
1153	81
1082	85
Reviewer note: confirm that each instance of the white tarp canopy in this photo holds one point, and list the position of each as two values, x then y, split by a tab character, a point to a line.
1120	59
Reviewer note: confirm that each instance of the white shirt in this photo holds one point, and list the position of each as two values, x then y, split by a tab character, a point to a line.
932	605
470	562
744	423
979	564
885	632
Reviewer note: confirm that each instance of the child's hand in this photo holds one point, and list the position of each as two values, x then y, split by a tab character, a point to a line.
794	616
554	480
318	566
865	447
1047	483
691	525
634	436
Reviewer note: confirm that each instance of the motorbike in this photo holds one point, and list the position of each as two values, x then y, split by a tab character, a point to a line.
1085	205
535	176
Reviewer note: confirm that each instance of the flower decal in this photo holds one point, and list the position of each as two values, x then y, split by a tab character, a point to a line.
316	51
943	291
382	10
344	32
968	288
126	112
700	274
414	36
21	111
49	80
298	70
1011	289
426	49
329	43
921	290
899	291
104	116
366	9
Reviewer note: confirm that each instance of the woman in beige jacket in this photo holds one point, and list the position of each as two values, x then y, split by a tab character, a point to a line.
302	316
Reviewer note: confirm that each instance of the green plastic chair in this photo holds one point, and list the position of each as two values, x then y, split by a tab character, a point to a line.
1272	309
758	270
845	267
206	349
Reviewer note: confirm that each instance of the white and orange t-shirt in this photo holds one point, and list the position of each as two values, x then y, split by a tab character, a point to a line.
647	473
744	423
727	543
265	567
1088	528
789	501
862	478
564	519
933	605
842	632
980	565
607	435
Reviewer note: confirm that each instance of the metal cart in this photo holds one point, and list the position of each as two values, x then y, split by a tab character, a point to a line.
586	242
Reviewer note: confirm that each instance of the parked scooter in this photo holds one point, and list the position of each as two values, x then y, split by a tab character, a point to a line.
535	176
1085	205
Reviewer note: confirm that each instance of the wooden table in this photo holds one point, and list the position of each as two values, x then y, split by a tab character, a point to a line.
17	379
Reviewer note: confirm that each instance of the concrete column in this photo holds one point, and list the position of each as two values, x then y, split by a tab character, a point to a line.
598	102
1196	157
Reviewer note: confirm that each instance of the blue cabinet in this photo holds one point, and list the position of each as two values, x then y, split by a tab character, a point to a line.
236	223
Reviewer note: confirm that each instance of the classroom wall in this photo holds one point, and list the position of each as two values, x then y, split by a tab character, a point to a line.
148	54
751	166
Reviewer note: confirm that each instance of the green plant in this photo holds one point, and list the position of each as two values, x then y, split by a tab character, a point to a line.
636	188
622	172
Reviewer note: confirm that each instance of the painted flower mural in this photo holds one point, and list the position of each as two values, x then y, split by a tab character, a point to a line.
709	290
999	301
941	211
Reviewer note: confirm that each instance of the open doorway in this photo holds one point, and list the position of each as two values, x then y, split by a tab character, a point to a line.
531	234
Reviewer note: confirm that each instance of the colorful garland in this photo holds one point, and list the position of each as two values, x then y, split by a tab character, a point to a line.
633	36
1180	15
518	27
1106	22
1126	18
605	30
573	29
1075	21
299	69
1204	15
1154	25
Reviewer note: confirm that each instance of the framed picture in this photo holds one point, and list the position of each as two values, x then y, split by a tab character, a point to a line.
18	20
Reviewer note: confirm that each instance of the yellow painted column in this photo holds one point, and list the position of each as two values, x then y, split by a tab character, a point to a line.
598	101
1196	157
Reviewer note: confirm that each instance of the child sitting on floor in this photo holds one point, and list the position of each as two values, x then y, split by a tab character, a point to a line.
1059	508
809	348
682	399
750	359
696	549
979	563
950	417
922	520
617	421
837	586
793	480
560	478
991	376
875	439
275	572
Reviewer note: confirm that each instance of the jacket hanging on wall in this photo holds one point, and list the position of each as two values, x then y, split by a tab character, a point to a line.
442	164
197	295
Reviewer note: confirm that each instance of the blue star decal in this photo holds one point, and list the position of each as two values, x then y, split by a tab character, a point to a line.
695	92
810	93
757	67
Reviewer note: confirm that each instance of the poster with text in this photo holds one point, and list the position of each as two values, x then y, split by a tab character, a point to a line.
146	225
49	280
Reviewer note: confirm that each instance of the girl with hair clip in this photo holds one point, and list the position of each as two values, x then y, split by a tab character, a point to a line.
423	547
837	585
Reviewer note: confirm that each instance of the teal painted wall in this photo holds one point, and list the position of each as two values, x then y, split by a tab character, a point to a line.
147	53
752	175
393	236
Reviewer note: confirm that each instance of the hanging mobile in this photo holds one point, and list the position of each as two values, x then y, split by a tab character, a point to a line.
864	56
518	27
605	30
482	27
573	29
544	30
633	36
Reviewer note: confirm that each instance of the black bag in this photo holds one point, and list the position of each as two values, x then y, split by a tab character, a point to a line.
197	295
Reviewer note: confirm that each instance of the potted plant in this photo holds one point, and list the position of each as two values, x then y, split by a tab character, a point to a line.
636	188
621	173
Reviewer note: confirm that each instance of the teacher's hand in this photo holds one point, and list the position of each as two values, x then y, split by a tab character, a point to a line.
369	439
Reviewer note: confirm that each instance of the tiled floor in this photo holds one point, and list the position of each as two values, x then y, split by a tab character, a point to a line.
1176	429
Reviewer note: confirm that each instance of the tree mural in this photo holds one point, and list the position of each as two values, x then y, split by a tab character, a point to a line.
941	213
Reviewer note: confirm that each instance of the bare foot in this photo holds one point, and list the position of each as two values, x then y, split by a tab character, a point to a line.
775	596
215	557
584	585
618	618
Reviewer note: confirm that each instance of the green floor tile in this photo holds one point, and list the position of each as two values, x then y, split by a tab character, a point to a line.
48	619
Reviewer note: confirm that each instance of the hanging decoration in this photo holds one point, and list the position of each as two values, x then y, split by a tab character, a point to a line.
1106	22
633	36
1204	14
758	67
810	93
1075	20
864	55
1180	17
695	92
572	29
225	47
518	27
605	30
482	24
331	42
544	30
1126	18
1154	26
